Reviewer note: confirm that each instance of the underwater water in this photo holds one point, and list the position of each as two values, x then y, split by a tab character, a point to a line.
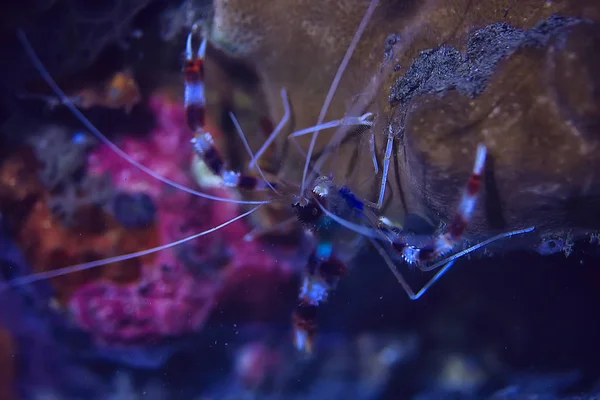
163	236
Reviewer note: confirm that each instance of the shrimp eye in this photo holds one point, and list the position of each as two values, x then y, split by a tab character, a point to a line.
308	214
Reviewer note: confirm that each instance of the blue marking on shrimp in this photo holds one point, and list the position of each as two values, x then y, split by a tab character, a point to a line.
325	250
351	199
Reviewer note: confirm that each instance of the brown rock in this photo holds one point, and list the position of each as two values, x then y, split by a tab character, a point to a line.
535	105
543	158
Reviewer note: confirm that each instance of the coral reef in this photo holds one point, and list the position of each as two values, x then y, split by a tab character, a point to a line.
32	359
63	173
177	288
140	301
134	211
48	243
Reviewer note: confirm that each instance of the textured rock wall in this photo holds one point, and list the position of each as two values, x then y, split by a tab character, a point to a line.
493	73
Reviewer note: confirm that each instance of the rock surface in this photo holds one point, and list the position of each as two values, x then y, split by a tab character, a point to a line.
444	75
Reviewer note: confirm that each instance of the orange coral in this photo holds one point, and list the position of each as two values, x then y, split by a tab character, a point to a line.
120	92
48	244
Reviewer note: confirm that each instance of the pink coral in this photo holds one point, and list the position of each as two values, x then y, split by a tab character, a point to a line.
178	288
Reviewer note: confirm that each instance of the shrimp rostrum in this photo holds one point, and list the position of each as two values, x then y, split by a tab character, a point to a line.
330	213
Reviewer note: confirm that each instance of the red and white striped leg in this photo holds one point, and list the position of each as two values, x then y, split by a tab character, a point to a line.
321	276
195	105
444	243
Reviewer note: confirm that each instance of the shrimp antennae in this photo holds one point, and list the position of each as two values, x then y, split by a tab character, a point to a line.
240	132
334	85
344	121
284	120
94	264
87	123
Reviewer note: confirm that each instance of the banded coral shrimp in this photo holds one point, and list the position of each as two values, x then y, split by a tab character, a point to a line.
321	204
